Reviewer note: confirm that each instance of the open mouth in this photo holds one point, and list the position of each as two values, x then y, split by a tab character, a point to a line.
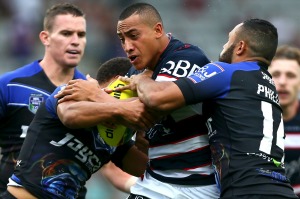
73	52
132	58
283	93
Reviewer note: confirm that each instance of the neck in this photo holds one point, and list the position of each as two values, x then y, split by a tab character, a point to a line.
56	73
251	59
165	40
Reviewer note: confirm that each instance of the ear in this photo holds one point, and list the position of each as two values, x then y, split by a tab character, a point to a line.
158	28
44	37
241	48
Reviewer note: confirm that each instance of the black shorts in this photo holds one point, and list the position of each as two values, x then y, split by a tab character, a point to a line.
7	195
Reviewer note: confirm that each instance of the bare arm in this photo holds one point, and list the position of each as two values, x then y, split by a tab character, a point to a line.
118	178
80	114
80	90
135	162
161	96
124	181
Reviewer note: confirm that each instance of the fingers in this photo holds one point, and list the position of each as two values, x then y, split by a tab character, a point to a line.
90	79
88	76
62	93
120	88
148	121
141	142
64	99
125	79
144	121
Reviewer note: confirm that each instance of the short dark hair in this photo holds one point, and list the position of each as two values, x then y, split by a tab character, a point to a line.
288	52
147	12
60	9
112	68
261	36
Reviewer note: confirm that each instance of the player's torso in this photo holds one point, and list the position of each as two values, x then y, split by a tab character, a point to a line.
23	95
245	134
179	151
58	155
292	149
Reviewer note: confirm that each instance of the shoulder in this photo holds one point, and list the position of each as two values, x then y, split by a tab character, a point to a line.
79	75
181	50
186	57
24	71
245	66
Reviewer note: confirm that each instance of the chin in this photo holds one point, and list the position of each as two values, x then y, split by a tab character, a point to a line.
138	67
71	65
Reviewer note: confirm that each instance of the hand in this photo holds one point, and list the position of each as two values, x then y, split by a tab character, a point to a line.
141	142
135	115
132	81
79	90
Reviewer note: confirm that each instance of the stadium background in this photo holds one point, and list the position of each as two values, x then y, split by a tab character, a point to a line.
205	23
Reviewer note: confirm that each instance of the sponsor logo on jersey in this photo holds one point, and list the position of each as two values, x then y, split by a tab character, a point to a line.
268	78
82	152
267	92
182	68
35	101
206	72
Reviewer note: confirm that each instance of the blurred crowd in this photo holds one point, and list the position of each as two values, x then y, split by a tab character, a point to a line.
203	22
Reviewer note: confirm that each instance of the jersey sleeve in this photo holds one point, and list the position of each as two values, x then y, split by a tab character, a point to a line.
51	102
212	81
2	99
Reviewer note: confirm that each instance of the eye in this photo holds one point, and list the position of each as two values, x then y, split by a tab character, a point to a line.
134	36
122	40
275	74
66	33
81	34
291	75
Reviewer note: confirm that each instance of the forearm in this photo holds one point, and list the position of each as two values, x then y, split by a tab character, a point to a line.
160	96
135	162
87	114
118	178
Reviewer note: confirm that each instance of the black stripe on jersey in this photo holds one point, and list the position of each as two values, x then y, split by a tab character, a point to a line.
183	161
37	81
177	131
194	179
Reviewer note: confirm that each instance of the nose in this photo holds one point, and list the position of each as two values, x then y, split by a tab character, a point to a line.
75	39
128	46
281	80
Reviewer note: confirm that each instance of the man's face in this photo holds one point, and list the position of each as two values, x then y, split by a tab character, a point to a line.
226	54
67	40
139	41
228	49
286	75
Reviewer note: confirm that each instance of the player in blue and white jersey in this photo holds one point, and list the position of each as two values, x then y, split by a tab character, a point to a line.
24	89
63	149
